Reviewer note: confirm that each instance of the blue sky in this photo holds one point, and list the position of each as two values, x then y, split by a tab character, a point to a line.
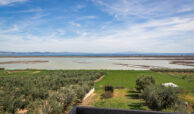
165	26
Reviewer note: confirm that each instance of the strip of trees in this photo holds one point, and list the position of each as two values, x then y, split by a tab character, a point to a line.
51	92
172	70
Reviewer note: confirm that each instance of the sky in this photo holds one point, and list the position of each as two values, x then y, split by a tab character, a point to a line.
97	26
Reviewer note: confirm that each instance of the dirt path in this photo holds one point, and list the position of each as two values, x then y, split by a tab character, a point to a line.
88	101
99	79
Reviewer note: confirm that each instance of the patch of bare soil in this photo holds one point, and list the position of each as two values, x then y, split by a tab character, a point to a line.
185	63
89	100
35	72
23	62
23	111
189	98
117	93
99	79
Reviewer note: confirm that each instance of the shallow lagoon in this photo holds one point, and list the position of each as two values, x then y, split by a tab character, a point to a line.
114	63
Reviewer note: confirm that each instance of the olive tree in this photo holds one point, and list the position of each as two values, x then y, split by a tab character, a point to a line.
143	81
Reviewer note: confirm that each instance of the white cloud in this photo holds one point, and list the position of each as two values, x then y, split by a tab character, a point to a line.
61	31
144	8
7	2
78	7
75	24
14	28
185	9
86	17
129	38
166	34
30	10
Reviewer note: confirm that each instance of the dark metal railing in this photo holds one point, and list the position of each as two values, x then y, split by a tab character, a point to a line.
92	110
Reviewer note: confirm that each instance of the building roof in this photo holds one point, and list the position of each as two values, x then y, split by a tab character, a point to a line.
170	84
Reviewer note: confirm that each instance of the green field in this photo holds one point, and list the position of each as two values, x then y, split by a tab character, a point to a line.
127	79
127	98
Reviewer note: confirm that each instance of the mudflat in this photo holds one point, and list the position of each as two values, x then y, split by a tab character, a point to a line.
186	63
23	62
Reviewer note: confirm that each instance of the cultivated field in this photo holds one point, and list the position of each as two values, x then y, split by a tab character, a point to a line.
125	95
43	91
55	91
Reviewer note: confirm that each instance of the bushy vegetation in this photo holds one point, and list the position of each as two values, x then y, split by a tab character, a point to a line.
143	81
109	88
159	97
173	70
49	92
108	91
184	74
128	98
2	68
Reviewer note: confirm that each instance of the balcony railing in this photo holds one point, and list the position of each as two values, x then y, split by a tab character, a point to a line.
92	110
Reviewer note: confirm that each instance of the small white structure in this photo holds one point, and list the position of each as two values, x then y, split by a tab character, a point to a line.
170	84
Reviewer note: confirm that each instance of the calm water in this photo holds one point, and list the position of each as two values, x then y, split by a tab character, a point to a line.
124	63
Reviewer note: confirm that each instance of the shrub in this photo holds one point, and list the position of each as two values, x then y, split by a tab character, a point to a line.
64	96
80	93
160	97
180	106
2	68
107	94
31	91
143	81
109	88
108	91
172	70
52	107
34	107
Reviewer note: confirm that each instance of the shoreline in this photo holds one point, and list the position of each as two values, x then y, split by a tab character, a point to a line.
93	56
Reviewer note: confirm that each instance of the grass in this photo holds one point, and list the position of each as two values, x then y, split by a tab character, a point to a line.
127	98
127	79
124	98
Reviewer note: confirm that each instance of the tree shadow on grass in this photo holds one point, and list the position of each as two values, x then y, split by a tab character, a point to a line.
133	91
137	106
133	94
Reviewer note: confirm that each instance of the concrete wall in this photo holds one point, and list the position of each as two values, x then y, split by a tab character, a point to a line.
88	94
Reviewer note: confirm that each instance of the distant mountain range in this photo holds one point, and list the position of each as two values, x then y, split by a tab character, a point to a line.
3	53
